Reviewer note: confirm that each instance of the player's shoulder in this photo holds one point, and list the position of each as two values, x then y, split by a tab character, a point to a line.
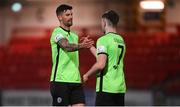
55	30
121	38
117	36
102	38
105	38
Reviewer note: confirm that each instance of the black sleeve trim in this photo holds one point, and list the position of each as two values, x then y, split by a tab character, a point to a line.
103	53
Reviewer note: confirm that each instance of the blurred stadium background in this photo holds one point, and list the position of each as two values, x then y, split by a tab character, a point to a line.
151	33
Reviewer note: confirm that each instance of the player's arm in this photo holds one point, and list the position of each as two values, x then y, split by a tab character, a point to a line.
70	47
93	51
97	67
64	44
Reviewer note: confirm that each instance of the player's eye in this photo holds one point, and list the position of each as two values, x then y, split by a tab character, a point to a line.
67	14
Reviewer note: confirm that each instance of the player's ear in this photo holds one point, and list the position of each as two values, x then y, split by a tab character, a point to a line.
103	23
59	17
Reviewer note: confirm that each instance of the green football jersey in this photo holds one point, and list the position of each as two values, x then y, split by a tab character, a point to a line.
65	65
111	79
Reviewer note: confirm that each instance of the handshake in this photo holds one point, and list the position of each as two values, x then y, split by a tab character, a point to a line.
85	42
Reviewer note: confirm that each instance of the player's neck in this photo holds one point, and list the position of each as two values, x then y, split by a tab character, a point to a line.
111	29
65	27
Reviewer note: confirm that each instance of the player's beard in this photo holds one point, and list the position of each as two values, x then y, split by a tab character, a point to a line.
69	23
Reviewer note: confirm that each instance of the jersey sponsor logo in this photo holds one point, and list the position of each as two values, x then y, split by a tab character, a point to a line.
100	49
59	99
58	37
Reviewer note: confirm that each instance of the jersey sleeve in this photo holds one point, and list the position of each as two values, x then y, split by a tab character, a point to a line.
101	47
58	37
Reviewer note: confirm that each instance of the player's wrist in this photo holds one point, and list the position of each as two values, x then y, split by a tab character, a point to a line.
92	48
86	76
79	46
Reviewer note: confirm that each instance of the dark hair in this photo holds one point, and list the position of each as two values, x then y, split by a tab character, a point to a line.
62	8
112	16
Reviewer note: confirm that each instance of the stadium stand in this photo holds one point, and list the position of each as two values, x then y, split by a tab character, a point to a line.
150	59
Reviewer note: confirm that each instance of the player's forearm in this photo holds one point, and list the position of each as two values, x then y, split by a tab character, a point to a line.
94	69
93	51
71	47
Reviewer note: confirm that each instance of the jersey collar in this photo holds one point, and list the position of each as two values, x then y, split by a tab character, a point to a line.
65	29
112	32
